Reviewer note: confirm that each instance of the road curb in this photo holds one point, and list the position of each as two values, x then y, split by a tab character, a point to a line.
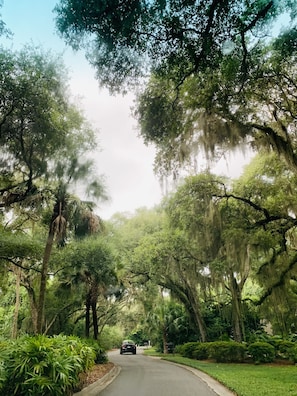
212	383
95	388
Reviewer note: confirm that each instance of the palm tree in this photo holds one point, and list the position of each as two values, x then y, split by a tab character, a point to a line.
65	215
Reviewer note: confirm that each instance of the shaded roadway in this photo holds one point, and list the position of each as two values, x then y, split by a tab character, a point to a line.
139	375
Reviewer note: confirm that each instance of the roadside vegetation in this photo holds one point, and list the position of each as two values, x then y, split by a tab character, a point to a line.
46	366
245	378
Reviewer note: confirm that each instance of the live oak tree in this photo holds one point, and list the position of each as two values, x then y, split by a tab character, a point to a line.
248	232
163	258
231	231
216	242
176	38
134	238
269	188
187	258
126	231
212	79
219	109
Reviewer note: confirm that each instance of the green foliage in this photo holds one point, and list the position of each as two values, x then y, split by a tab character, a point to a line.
20	246
213	113
159	119
261	352
44	366
227	351
187	349
100	354
139	336
282	348
34	94
130	39
221	351
111	337
201	352
89	274
292	352
193	350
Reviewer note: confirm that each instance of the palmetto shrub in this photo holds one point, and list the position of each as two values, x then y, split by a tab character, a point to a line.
43	366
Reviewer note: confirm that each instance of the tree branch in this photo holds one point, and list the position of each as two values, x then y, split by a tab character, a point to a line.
279	282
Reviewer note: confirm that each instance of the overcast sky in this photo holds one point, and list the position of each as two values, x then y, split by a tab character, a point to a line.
124	160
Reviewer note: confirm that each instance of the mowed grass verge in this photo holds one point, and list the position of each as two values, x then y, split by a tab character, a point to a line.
246	379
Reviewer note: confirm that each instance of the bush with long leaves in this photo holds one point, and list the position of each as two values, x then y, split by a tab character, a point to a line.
43	366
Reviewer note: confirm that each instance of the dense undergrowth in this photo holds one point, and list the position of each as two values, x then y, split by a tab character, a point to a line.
46	366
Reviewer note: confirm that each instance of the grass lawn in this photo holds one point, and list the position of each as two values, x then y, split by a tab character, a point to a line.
246	379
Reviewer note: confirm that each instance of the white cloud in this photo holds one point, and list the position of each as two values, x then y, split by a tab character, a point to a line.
124	159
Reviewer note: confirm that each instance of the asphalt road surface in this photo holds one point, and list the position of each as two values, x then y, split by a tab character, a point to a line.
145	376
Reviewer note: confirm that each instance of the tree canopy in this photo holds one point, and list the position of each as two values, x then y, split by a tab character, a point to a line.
128	40
213	78
40	129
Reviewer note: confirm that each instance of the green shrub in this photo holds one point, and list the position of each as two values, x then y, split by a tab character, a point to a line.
178	349
111	337
261	352
293	354
3	374
201	351
44	366
227	351
186	350
283	347
100	353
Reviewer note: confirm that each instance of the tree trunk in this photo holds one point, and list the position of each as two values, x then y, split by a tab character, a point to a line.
195	307
32	302
187	294
14	332
94	299
88	308
165	344
43	279
237	320
57	229
95	319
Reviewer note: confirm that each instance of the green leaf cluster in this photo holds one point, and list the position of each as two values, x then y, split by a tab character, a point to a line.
43	366
126	41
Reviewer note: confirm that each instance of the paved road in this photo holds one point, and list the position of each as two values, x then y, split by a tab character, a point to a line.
146	376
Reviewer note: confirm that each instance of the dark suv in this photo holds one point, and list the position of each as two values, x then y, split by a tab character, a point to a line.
128	346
